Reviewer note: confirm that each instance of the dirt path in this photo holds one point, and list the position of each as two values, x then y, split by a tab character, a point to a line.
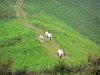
52	46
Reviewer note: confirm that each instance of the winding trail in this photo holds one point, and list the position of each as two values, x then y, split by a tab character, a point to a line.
52	46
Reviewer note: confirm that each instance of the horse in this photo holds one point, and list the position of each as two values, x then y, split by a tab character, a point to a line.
61	53
48	35
41	38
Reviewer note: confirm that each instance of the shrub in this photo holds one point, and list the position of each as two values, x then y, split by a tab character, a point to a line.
93	65
5	67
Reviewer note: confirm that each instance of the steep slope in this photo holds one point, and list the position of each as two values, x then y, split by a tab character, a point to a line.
23	19
6	9
28	52
77	45
82	15
21	45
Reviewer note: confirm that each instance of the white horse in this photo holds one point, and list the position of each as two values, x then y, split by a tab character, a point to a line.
61	53
41	38
48	35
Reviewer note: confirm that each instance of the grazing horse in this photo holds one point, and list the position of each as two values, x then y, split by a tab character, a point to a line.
41	38
61	53
48	35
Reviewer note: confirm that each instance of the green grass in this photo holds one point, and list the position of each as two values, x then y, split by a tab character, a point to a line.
6	10
72	23
26	53
82	16
77	45
66	20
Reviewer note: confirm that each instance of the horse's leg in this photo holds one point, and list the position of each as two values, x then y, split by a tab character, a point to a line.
60	56
42	41
50	38
57	53
47	36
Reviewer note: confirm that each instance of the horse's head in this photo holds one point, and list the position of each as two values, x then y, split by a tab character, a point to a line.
65	53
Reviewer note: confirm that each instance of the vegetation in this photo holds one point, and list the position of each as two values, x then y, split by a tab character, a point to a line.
74	26
77	45
6	10
22	46
91	67
22	50
82	16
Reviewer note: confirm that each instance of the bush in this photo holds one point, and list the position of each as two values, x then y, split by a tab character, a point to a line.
5	67
92	66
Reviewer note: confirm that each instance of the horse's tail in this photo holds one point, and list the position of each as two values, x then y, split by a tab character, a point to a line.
42	41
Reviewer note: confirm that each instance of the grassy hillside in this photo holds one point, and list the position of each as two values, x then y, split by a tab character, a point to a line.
26	52
43	14
77	45
83	16
6	9
22	46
